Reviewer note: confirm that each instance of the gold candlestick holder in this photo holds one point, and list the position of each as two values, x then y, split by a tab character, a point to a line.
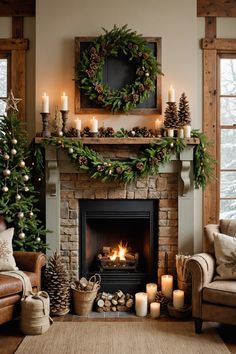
64	116
45	119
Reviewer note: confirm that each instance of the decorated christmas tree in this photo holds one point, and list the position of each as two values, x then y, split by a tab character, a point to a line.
183	111
17	193
171	116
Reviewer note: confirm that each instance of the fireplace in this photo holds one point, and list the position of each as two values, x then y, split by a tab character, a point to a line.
104	223
170	193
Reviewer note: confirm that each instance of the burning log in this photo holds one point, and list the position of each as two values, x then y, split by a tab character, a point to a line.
117	258
119	301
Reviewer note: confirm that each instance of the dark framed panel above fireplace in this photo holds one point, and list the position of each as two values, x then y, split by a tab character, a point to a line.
105	223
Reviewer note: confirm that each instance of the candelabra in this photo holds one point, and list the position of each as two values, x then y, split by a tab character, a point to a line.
64	116
45	118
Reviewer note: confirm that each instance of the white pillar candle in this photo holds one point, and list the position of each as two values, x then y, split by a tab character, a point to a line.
187	131
94	125
167	285
78	124
45	103
170	132
155	309
181	133
151	289
171	94
141	304
64	102
178	299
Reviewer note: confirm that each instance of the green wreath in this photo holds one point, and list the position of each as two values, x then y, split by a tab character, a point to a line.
89	71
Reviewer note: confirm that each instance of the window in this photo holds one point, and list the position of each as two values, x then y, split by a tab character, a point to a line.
4	80
227	150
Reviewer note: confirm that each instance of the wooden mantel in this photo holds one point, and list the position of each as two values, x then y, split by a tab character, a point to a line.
121	141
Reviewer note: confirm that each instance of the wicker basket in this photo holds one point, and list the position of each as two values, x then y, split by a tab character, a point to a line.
83	299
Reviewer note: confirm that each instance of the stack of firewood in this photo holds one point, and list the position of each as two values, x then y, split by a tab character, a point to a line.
119	301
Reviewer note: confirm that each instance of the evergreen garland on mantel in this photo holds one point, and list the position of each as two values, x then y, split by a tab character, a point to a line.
146	163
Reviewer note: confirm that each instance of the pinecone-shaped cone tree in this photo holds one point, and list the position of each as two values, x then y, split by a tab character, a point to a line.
171	116
57	283
183	111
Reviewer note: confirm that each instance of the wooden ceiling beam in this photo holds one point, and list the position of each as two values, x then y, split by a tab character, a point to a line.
13	8
216	8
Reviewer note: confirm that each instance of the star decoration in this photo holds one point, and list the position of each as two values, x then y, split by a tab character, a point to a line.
11	102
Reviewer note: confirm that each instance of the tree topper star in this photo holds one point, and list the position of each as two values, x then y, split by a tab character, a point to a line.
11	102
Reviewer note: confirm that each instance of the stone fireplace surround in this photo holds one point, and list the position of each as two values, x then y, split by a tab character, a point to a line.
172	186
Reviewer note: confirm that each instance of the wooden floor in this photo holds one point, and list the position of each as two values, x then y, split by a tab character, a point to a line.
11	337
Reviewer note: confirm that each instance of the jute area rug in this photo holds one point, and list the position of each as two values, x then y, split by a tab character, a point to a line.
147	337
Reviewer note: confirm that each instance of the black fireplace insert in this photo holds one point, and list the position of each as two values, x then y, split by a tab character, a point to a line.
103	225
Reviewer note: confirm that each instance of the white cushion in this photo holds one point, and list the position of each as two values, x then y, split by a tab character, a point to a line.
225	253
7	260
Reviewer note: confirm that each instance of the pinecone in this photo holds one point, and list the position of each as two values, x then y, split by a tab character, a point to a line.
109	132
183	111
171	116
71	132
139	166
102	132
83	161
57	283
163	301
85	132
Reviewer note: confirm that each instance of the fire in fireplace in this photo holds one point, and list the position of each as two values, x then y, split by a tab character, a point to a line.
120	257
103	223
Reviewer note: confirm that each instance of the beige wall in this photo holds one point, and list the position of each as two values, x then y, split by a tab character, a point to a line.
58	22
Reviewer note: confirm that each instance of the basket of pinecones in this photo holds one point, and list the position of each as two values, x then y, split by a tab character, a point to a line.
84	293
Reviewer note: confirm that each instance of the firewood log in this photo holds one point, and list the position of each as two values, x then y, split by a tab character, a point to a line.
122	308
129	303
99	309
114	302
119	293
106	309
100	303
113	308
107	303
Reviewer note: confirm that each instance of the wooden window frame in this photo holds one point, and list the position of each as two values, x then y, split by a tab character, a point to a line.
212	49
4	55
16	49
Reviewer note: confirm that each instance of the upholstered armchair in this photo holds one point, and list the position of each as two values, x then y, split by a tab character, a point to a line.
214	292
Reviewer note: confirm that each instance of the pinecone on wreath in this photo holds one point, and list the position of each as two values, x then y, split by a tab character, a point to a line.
57	283
171	116
183	111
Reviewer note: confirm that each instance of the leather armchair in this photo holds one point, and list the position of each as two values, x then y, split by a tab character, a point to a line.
11	288
212	300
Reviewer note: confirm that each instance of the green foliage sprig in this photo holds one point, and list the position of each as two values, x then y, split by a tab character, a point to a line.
146	163
89	70
204	162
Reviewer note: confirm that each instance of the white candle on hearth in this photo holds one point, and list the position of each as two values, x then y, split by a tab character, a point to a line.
178	299
151	289
78	124
64	102
171	94
155	309
94	125
141	304
45	103
167	285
